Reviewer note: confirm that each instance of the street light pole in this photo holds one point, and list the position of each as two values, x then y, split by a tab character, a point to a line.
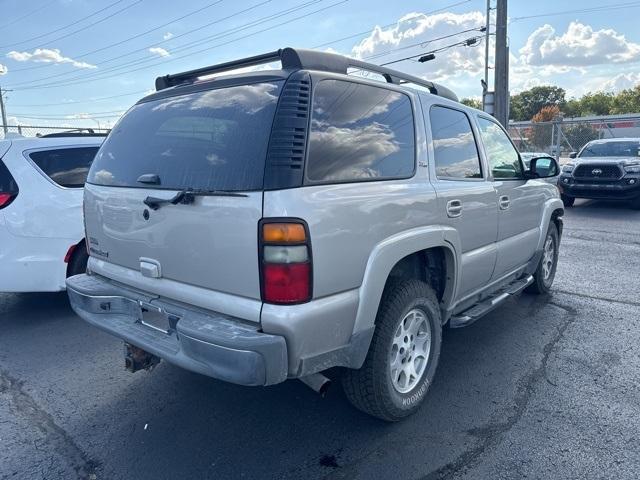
4	113
501	79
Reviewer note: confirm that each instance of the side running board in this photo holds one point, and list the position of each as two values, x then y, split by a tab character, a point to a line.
480	309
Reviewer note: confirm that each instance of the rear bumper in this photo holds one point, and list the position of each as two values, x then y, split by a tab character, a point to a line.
212	344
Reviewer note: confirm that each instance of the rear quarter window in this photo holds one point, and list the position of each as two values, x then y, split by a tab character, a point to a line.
359	133
7	182
68	167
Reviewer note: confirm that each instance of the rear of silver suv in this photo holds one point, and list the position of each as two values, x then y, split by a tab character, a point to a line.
248	227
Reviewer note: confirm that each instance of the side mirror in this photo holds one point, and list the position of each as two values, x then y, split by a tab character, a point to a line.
573	154
543	167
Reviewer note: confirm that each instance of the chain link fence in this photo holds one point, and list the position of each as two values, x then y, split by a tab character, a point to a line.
9	131
561	137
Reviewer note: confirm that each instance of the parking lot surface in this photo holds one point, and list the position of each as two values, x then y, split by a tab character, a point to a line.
543	387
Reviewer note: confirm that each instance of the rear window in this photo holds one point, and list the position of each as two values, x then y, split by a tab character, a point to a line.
7	182
211	140
68	167
360	132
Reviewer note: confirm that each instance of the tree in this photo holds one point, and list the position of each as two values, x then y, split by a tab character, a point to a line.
627	101
598	103
526	104
541	136
472	102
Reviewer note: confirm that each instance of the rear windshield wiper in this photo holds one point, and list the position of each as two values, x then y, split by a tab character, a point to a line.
187	197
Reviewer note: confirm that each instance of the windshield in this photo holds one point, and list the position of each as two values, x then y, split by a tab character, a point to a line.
211	140
611	149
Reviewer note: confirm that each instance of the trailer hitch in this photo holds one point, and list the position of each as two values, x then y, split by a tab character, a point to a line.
136	358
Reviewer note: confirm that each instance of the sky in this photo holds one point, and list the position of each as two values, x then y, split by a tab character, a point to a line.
84	62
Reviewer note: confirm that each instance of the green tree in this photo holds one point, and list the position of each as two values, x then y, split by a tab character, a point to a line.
627	101
472	102
598	103
526	104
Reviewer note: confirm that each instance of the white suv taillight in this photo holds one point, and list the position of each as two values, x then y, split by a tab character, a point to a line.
285	253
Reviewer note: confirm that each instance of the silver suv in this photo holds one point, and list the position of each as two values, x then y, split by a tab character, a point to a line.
270	225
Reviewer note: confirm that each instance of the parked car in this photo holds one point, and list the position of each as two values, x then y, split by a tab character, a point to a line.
41	228
270	225
527	156
606	169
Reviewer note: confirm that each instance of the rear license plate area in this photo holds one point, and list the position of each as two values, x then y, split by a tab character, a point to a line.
156	318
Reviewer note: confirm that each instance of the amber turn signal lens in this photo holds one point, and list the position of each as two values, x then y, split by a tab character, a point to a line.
283	233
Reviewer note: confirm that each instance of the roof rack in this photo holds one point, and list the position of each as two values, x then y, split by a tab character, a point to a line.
76	132
299	59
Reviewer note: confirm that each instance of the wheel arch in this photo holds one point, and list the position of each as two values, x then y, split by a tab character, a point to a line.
423	253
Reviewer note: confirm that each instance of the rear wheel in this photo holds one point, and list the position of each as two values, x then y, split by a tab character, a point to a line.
546	271
567	201
403	355
78	262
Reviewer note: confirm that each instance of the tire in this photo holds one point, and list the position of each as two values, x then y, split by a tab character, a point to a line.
78	262
546	271
567	201
372	388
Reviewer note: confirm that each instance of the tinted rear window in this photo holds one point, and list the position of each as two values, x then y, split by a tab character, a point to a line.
455	149
7	183
360	132
211	140
67	167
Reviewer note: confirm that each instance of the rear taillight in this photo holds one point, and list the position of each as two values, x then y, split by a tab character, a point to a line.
285	253
8	186
6	199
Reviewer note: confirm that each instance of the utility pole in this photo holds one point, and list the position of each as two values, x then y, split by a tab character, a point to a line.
486	45
4	113
501	79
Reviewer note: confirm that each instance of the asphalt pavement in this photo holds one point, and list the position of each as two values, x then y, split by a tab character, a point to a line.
543	387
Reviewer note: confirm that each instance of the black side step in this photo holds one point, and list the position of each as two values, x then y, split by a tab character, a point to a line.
480	309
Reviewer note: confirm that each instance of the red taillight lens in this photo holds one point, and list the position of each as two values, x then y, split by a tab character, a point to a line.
6	199
286	262
286	283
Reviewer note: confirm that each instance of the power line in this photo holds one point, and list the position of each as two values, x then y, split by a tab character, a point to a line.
81	101
83	55
67	115
359	34
84	79
16	20
62	28
186	46
607	8
468	42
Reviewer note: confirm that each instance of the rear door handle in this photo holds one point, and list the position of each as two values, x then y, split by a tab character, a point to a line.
504	202
454	208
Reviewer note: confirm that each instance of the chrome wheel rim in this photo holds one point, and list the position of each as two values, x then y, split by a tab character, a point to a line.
548	257
410	349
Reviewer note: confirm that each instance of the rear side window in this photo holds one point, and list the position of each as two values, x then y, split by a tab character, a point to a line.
359	133
7	182
68	167
455	149
210	140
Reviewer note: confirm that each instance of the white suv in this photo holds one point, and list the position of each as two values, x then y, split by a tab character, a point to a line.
41	227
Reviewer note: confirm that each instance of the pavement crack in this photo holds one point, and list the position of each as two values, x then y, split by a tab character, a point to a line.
491	434
25	406
594	297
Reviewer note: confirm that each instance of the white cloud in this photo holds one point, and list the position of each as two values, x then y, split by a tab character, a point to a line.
579	46
161	52
168	36
47	55
3	69
622	81
414	27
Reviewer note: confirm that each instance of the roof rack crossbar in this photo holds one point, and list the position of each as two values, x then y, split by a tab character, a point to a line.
299	59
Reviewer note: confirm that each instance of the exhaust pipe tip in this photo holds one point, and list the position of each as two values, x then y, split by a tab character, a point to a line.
317	382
